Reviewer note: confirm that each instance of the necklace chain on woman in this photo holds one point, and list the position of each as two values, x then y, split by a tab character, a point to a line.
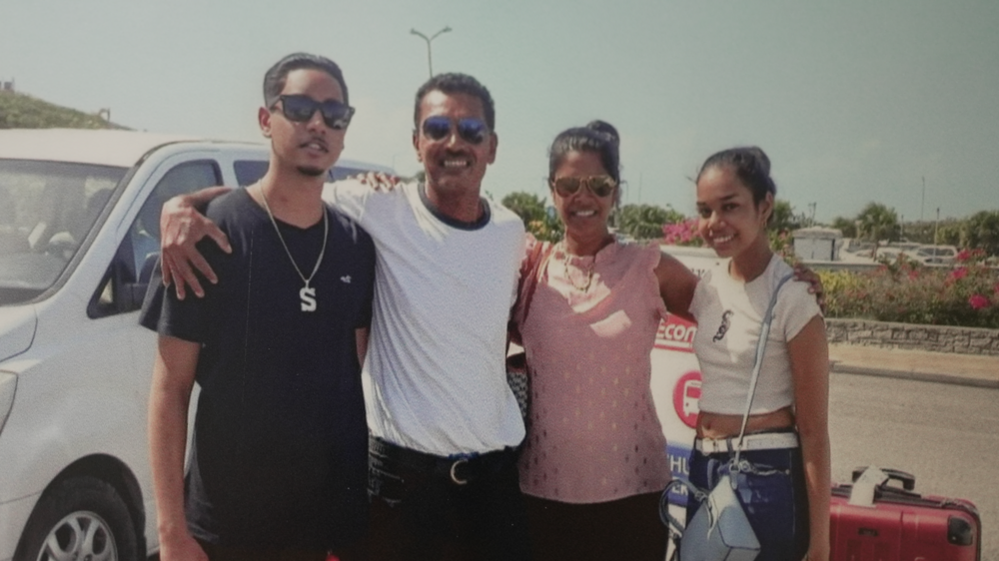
307	294
589	270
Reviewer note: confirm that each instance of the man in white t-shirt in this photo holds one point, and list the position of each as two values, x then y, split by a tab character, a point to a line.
444	423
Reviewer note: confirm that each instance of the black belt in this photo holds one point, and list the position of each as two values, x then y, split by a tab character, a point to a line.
459	468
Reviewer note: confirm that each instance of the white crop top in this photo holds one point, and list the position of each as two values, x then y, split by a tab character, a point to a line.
729	317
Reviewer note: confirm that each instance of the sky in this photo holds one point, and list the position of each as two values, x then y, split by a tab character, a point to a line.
854	101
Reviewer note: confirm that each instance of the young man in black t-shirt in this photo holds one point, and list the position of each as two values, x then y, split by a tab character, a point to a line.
279	457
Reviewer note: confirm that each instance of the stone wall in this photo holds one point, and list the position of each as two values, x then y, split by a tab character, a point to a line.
939	338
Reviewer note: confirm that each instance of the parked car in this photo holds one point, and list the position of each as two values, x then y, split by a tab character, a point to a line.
79	235
937	254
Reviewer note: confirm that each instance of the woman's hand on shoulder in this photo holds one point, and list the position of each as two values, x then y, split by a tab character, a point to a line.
804	274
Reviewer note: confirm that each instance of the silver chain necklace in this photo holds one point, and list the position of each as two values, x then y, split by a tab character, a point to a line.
307	294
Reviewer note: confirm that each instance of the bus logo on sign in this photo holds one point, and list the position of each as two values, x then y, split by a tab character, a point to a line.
686	395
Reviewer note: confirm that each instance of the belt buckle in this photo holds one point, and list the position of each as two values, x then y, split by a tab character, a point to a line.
454	471
717	445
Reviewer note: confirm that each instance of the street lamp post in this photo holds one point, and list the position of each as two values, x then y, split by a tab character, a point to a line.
922	204
936	229
430	61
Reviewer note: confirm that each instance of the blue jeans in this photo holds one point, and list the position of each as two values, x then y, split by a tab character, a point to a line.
772	493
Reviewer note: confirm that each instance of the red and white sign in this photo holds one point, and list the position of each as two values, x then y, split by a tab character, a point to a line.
686	395
676	335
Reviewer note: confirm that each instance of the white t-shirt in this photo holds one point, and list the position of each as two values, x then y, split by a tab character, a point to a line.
443	293
729	317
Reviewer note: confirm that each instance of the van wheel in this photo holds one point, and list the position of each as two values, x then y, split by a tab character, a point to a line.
81	518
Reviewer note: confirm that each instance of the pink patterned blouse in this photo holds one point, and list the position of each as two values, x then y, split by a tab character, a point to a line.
593	434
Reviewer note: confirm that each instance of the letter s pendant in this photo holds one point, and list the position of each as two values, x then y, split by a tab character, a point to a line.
308	296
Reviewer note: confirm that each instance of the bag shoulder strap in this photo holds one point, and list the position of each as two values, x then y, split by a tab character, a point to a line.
761	346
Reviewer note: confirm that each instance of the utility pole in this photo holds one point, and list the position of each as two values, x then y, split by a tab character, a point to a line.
936	229
430	60
923	203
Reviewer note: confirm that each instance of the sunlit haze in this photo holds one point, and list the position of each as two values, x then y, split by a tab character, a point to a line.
855	101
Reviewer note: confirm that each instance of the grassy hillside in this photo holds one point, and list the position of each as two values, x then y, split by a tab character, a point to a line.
20	111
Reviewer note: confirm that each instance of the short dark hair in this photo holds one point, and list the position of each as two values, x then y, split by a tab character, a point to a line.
597	136
452	83
274	79
750	164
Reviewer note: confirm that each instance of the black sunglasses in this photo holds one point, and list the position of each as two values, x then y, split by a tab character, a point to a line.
301	108
599	185
470	129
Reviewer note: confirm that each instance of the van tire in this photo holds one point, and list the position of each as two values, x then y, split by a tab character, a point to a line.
83	517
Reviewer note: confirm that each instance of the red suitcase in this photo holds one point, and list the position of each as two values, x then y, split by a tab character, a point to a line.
872	520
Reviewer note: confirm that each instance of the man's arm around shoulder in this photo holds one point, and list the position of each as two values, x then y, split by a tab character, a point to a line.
354	198
182	226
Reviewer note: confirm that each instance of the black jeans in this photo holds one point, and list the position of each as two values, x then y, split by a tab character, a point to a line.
432	508
225	553
627	528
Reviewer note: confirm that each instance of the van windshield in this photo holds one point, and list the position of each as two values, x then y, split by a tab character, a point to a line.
46	211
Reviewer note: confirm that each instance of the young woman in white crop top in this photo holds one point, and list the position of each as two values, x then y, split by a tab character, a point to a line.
788	437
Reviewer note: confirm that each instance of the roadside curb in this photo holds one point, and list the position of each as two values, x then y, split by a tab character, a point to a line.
841	368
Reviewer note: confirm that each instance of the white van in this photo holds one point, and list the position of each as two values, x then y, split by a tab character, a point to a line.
79	234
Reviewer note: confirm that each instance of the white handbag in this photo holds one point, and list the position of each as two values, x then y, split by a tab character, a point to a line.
719	529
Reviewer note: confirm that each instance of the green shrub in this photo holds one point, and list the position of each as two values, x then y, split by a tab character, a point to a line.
20	111
903	291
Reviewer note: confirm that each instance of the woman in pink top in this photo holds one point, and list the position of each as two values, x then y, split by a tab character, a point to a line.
594	461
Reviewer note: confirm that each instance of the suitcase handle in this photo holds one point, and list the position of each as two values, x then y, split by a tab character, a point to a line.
907	479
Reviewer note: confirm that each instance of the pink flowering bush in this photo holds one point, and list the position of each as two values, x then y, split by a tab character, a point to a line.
903	291
682	233
978	302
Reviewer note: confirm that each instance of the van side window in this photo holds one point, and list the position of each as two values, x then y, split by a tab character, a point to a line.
249	172
338	172
124	287
145	231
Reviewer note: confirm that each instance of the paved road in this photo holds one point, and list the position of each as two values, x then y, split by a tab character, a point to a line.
946	435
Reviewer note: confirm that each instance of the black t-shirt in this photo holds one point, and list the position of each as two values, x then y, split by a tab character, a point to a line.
279	457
